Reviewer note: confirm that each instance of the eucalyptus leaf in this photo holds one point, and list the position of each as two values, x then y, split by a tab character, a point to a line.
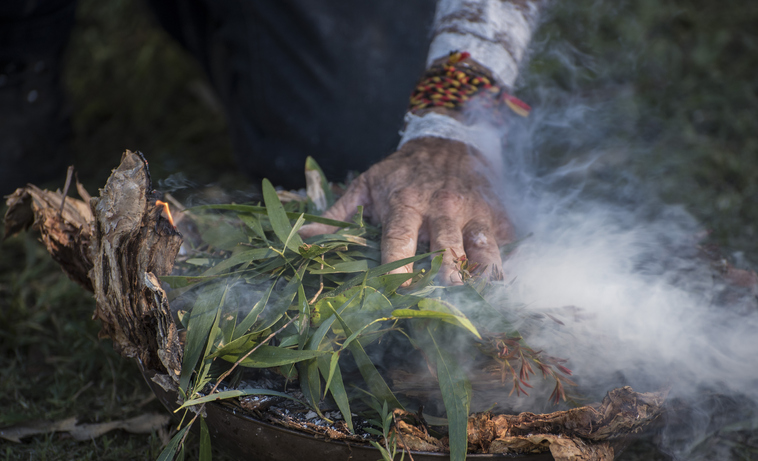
205	442
278	217
271	356
310	383
336	387
270	316
324	192
201	319
437	309
379	270
223	236
236	393
254	224
263	210
345	267
169	453
326	303
244	257
252	316
369	372
456	394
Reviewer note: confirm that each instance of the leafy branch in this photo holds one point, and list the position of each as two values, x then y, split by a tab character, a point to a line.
316	301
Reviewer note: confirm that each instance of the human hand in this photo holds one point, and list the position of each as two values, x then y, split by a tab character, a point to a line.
433	190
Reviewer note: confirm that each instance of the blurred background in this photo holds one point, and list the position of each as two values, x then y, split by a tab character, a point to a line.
667	88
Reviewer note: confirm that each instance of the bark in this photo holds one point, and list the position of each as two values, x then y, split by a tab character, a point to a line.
117	246
588	433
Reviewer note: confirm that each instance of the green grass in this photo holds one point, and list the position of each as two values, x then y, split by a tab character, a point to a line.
52	366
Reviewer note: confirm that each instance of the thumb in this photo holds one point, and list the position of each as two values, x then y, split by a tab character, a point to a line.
343	209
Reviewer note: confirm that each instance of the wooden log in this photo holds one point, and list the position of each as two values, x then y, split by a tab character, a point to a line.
116	246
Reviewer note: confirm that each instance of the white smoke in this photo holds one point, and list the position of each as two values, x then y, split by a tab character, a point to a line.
639	303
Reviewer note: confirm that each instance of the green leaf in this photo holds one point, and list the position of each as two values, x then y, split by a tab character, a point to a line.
179	281
205	442
252	316
222	235
333	365
242	257
437	309
239	346
344	268
336	386
342	238
236	393
201	319
321	190
169	452
305	316
428	278
480	310
358	217
323	329
254	224
456	394
272	315
263	210
294	237
388	284
369	372
310	382
378	270
271	356
278	217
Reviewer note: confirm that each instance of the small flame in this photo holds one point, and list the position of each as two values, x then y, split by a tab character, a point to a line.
166	210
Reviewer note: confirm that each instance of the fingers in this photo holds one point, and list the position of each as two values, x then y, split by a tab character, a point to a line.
343	209
400	236
481	244
445	234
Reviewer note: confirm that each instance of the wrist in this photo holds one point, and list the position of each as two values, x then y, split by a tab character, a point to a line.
483	138
463	89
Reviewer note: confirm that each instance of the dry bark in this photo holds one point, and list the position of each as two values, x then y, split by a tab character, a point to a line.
65	232
117	246
581	434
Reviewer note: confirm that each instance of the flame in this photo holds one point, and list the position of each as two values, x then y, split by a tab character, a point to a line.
166	210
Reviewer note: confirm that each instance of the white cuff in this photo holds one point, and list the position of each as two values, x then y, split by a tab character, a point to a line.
484	138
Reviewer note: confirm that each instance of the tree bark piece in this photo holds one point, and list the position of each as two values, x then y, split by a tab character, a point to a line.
116	246
66	234
588	433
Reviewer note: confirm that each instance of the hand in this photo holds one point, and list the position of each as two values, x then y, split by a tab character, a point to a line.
433	190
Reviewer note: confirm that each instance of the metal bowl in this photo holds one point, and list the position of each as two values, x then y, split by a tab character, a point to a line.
241	436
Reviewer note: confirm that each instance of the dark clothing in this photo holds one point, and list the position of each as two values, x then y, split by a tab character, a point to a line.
34	127
326	78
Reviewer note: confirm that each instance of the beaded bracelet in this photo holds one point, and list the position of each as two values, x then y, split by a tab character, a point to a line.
459	80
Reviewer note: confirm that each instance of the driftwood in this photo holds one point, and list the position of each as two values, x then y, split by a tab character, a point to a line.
116	245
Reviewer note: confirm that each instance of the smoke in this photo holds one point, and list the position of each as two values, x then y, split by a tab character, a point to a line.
639	303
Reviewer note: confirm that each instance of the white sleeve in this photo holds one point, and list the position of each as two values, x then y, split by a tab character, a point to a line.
496	34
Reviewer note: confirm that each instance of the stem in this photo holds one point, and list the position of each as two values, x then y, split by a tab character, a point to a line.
228	372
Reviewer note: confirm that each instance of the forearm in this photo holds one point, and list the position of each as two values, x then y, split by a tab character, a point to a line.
495	34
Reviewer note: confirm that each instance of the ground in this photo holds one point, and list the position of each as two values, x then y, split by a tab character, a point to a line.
670	85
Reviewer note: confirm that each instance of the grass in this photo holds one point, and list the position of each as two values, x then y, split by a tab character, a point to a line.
52	366
672	84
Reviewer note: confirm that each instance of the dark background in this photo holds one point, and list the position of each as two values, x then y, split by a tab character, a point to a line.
672	91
